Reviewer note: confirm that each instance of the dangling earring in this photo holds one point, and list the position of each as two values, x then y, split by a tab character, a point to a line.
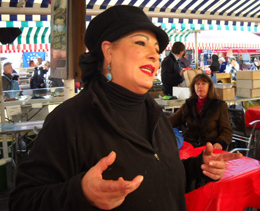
109	76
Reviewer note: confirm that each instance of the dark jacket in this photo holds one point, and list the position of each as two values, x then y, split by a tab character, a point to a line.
82	130
170	74
7	81
38	80
223	67
211	125
214	67
184	62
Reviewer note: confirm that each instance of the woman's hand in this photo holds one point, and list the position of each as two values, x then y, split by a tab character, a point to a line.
106	194
215	164
217	146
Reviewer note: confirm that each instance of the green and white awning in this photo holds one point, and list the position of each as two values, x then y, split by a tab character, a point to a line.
36	36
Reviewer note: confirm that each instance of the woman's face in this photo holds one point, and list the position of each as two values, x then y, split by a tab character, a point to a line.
201	89
134	61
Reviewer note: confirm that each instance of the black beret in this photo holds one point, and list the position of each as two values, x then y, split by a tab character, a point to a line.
118	21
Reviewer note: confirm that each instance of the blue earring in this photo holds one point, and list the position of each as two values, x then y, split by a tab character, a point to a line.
109	76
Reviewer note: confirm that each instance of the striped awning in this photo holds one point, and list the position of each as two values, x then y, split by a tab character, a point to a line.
219	40
239	12
174	16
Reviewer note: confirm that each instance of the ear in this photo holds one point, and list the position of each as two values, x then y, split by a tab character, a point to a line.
106	47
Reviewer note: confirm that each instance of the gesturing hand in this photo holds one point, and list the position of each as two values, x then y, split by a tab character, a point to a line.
215	164
106	194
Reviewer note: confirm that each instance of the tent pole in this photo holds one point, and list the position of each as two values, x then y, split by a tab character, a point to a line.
196	50
4	136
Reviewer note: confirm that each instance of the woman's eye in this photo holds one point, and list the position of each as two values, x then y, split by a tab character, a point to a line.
140	43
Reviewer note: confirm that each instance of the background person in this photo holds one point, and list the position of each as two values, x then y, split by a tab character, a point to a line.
232	68
205	117
113	115
214	67
38	78
52	82
223	65
256	65
9	81
184	61
31	64
172	74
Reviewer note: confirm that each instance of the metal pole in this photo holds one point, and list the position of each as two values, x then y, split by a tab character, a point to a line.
196	51
4	136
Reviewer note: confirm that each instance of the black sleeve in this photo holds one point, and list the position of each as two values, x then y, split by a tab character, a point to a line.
194	175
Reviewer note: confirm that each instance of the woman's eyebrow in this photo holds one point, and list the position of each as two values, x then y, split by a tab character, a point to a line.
134	35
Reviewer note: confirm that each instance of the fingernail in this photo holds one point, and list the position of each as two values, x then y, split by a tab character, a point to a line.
141	178
111	153
211	163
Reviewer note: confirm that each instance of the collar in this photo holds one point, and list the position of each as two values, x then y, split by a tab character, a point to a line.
175	56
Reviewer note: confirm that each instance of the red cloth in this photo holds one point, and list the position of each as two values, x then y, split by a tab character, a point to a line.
186	145
239	187
252	114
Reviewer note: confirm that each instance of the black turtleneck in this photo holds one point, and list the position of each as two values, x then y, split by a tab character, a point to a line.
130	106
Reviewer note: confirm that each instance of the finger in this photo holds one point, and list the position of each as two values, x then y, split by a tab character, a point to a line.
213	176
217	146
209	149
121	184
105	162
214	165
230	156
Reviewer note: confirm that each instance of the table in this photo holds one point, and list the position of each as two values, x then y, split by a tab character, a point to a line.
238	188
20	127
171	104
252	114
16	128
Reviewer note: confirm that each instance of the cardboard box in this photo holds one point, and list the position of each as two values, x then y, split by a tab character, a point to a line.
181	92
248	75
240	92
190	74
248	84
226	94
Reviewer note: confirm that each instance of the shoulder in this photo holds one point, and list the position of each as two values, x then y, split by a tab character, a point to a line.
74	107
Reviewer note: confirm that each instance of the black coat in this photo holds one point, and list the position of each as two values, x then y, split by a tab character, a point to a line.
84	129
170	74
38	80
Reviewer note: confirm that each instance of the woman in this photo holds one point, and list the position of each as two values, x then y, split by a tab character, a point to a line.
205	117
184	61
69	168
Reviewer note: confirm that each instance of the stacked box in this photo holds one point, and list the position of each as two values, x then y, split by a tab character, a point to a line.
248	84
225	93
